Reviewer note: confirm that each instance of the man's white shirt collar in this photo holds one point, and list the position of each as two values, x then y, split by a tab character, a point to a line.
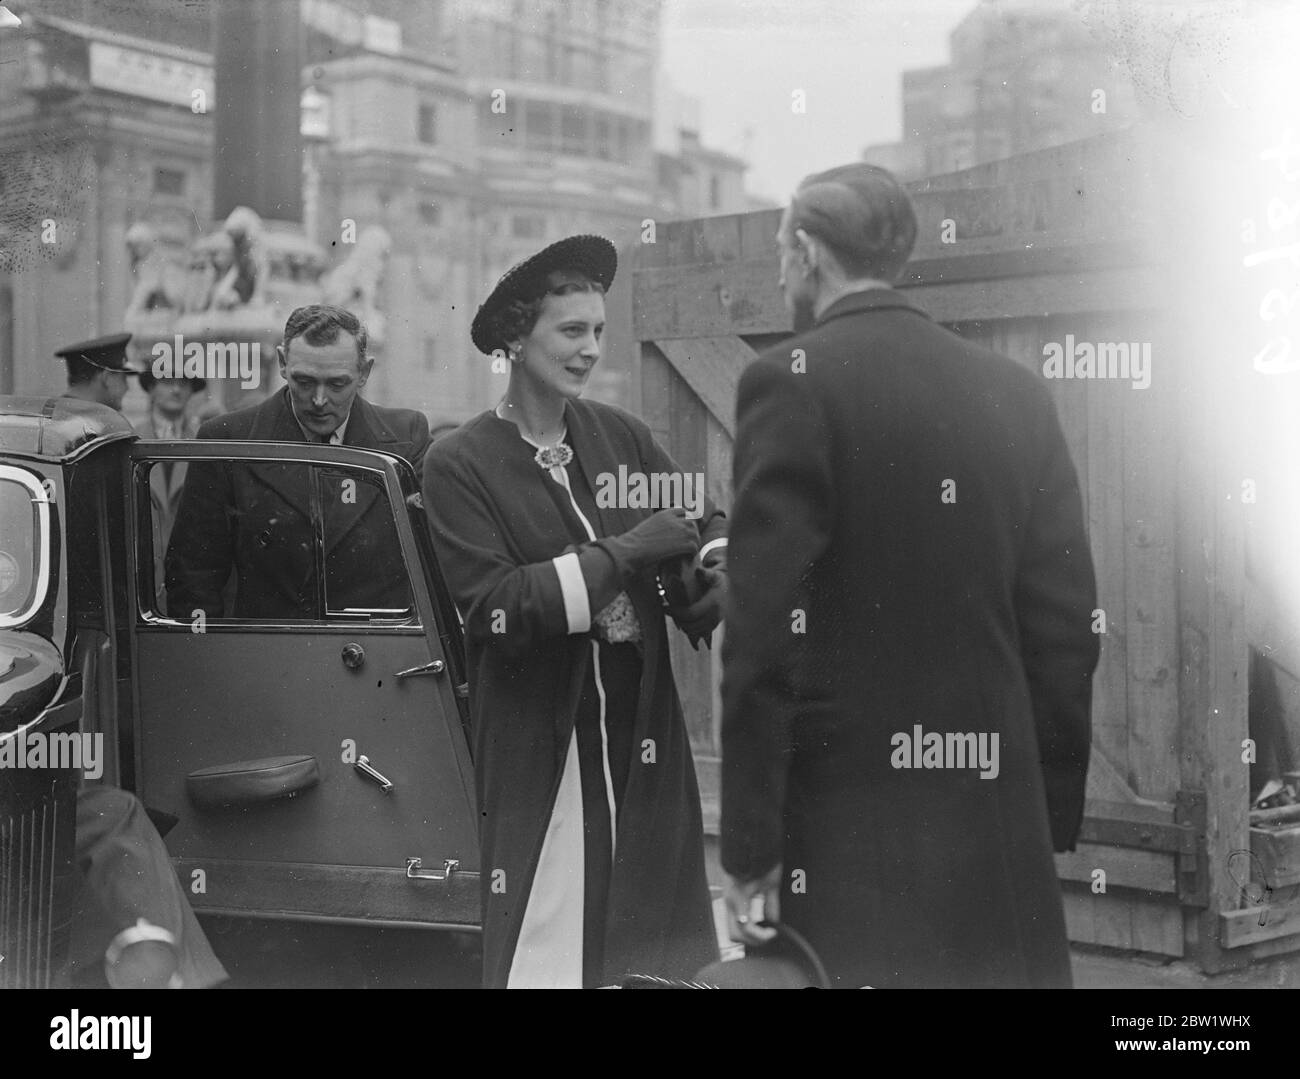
336	439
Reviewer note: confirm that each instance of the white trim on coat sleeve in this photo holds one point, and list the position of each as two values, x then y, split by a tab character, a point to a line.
720	542
573	586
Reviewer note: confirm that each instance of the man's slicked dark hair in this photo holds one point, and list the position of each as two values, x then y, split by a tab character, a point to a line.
321	323
862	214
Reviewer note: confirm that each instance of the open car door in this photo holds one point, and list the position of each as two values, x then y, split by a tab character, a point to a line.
300	699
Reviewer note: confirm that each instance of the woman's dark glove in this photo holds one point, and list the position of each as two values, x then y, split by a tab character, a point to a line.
664	535
701	618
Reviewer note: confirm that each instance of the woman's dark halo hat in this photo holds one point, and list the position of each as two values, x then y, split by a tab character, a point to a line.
592	256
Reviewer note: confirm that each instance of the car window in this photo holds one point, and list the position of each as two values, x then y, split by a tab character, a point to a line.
268	542
24	545
364	572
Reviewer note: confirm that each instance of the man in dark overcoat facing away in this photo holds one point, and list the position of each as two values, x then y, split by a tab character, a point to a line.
909	646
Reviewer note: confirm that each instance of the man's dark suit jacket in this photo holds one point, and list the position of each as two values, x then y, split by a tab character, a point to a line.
256	519
907	550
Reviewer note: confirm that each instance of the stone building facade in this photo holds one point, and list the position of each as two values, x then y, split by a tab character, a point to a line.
472	132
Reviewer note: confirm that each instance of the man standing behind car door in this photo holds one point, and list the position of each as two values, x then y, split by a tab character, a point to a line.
255	519
169	417
909	654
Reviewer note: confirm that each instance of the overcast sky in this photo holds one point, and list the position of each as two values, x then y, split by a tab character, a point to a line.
744	58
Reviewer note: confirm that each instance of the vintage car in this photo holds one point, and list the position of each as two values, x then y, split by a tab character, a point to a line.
315	762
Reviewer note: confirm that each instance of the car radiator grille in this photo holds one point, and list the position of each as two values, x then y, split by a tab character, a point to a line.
37	824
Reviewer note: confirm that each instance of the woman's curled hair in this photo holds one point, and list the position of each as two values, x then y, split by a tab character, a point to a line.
517	318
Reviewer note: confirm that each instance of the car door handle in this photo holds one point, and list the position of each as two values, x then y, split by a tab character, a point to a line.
435	666
414	872
362	765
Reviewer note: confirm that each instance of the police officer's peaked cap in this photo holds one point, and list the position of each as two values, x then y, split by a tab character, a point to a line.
592	256
106	353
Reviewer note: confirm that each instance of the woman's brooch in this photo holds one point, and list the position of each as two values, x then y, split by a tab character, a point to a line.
547	457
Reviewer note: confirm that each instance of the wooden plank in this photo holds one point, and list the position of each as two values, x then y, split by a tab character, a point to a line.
1149	927
1278	851
718	239
1072	411
657	378
1136	812
620	350
1149	871
1272	629
1105	784
1151	611
678	238
1238	928
711	367
1145	835
1106	533
710	301
988	257
1060	202
1109	920
1210	595
692	668
1116	289
718	465
647	255
718	473
1156	926
743	297
1109	155
758	234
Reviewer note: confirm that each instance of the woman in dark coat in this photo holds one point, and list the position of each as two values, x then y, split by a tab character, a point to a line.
592	861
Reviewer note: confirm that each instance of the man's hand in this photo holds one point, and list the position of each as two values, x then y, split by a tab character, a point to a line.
701	618
750	902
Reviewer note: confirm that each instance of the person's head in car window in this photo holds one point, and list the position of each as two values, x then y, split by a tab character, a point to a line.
323	359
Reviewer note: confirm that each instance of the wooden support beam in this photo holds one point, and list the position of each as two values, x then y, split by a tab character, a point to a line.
711	366
1138	870
742	297
1250	925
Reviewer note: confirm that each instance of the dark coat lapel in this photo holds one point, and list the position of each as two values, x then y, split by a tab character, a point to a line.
362	424
273	421
598	450
597	453
368	430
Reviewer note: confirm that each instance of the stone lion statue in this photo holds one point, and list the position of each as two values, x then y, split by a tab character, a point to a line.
160	285
244	280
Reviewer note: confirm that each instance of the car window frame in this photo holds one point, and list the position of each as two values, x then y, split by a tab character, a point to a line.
383	465
40	498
